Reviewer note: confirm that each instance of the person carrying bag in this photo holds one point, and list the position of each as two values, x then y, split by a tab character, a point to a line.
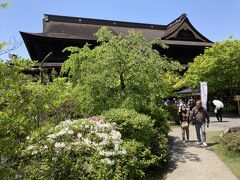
184	113
200	118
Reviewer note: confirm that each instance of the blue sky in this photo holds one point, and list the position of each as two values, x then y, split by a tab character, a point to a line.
215	19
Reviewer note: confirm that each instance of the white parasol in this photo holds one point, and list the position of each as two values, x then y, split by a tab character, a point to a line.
218	104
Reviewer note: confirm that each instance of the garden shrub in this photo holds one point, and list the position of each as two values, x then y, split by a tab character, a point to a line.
79	149
140	158
159	116
25	106
231	141
13	124
159	142
131	124
147	142
53	101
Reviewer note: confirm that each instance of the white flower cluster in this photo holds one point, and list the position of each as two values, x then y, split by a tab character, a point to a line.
71	135
59	145
108	161
60	133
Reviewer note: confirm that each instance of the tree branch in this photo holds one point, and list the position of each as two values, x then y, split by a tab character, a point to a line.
10	46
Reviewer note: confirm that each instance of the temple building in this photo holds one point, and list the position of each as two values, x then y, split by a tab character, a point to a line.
183	40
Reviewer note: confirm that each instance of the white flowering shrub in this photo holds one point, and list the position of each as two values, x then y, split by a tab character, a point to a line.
79	149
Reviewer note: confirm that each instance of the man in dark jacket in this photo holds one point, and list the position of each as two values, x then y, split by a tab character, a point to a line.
200	117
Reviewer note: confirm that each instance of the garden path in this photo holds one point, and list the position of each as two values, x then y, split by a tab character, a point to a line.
192	162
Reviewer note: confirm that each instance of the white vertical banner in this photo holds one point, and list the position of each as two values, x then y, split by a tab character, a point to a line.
204	93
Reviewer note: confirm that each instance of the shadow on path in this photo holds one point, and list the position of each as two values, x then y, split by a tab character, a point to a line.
218	121
179	153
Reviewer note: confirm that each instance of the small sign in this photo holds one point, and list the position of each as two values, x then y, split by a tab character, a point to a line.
236	98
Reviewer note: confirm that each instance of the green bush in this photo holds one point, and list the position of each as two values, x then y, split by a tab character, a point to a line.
25	106
231	141
13	103
79	149
140	158
131	124
159	142
160	117
148	143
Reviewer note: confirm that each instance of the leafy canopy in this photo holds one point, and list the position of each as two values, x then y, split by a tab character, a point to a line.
3	5
219	66
123	71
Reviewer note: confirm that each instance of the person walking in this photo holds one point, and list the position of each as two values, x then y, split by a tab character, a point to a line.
200	118
184	113
218	109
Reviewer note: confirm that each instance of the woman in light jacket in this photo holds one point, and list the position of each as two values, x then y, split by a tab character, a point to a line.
184	113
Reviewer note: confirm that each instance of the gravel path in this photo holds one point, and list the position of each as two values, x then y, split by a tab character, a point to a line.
192	162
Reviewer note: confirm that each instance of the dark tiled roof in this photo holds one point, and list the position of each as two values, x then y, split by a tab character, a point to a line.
101	22
84	28
87	31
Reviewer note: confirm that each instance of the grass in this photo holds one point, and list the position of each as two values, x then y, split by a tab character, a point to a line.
231	159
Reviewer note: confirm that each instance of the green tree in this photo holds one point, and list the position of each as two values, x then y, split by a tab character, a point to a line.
13	127
3	5
25	105
219	66
123	71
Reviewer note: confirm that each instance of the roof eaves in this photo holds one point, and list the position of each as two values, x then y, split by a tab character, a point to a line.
81	20
187	43
196	31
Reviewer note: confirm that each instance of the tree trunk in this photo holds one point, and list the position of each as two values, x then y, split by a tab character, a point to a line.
122	84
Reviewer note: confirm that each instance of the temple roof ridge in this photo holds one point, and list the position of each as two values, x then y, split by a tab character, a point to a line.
82	20
177	20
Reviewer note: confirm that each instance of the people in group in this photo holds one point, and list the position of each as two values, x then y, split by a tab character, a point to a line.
191	103
200	118
184	114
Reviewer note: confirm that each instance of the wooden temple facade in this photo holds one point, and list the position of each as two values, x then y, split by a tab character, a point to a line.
183	40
